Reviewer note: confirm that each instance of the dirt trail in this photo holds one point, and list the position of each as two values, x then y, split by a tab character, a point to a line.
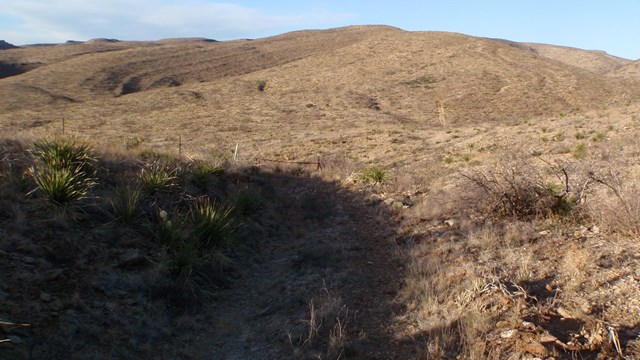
332	251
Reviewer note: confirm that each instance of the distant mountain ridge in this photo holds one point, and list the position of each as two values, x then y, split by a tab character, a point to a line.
5	45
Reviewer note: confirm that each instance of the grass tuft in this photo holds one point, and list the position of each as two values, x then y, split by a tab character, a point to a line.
63	170
125	205
374	174
213	224
156	177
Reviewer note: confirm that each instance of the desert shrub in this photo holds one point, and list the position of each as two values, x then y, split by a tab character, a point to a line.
204	174
64	169
213	224
374	174
125	205
67	153
617	205
517	188
156	177
580	151
248	202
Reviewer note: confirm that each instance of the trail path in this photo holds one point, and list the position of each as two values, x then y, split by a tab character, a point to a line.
333	251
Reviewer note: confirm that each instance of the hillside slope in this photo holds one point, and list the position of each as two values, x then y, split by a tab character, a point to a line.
628	72
359	72
596	61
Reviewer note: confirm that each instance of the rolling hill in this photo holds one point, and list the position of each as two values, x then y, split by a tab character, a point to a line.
337	75
389	194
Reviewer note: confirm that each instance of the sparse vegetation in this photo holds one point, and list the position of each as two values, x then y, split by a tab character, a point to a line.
63	169
467	253
374	174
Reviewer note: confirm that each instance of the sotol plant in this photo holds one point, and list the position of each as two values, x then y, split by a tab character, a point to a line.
374	174
64	169
213	224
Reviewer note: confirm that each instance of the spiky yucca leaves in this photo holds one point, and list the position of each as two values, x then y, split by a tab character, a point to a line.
204	174
248	202
156	177
125	205
63	170
374	174
213	224
66	153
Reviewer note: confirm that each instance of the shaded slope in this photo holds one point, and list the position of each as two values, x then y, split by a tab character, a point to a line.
596	61
628	72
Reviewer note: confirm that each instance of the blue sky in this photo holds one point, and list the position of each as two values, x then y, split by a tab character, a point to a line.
612	26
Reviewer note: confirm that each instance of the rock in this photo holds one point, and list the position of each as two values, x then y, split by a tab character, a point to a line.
548	338
52	274
131	257
544	232
528	325
565	313
15	339
56	305
46	297
595	229
407	201
375	199
28	260
450	222
536	349
507	334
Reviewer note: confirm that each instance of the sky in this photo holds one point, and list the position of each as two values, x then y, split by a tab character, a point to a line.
612	25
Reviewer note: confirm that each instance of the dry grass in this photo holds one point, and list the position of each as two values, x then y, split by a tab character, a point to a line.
497	248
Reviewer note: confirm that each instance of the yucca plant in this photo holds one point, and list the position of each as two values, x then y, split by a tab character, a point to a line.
213	224
125	205
374	174
155	177
203	174
65	153
61	185
64	169
248	202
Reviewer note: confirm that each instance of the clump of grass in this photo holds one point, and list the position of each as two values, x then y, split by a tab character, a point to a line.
248	202
156	177
580	151
598	137
374	174
61	185
66	153
204	174
213	224
125	205
63	169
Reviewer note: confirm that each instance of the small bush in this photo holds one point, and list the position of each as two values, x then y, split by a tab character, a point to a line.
213	225
518	189
63	169
248	202
374	174
65	153
156	177
580	151
204	174
125	205
61	185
